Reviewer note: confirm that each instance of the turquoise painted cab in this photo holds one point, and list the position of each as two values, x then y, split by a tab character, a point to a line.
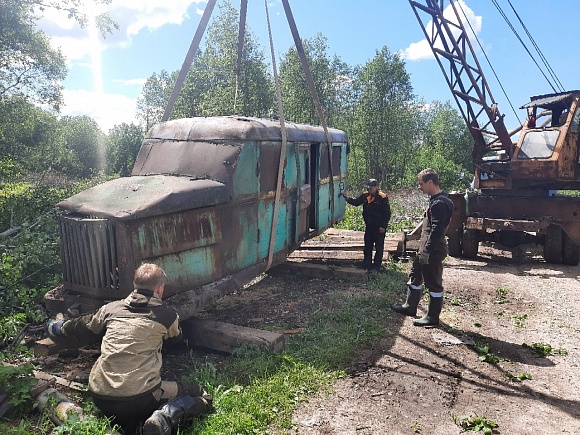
200	203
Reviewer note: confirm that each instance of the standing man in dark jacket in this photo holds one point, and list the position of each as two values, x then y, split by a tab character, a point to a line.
376	214
428	265
125	382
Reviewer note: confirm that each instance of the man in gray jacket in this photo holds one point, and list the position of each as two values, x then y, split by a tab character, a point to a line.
125	382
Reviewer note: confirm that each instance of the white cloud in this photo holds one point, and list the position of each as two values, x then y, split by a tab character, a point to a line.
421	50
106	109
131	15
131	82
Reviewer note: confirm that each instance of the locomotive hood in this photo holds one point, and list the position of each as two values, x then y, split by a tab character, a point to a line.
143	196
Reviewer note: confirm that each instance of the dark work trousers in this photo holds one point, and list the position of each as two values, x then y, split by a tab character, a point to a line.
430	274
376	239
131	412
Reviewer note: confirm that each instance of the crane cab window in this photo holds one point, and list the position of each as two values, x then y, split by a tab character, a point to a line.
575	125
538	144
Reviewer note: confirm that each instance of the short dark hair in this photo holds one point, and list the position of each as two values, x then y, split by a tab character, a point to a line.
149	276
429	174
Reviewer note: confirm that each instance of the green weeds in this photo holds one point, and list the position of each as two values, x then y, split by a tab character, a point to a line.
519	320
485	353
475	424
518	378
501	296
542	350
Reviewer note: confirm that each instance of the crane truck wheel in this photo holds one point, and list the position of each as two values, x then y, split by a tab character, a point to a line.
454	242
553	244
470	243
570	251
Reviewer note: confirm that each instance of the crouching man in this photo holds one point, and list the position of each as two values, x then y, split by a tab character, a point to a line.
125	382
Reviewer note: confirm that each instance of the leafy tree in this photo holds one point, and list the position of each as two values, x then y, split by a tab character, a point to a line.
29	66
210	86
123	144
151	103
385	125
332	79
446	129
445	145
30	139
85	144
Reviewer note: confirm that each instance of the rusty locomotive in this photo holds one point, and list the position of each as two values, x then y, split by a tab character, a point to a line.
200	203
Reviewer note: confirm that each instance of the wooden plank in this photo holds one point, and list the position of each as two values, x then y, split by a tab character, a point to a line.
323	271
225	337
391	245
338	255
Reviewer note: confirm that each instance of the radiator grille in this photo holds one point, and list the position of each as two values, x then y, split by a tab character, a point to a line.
89	252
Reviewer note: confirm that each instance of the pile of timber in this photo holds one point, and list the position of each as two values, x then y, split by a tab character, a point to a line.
336	254
341	247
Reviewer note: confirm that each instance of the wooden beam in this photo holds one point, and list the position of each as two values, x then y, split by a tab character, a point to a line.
225	337
339	255
324	271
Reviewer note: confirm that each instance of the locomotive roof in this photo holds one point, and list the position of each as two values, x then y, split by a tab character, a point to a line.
239	128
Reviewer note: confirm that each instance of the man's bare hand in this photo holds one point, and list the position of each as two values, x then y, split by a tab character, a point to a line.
424	257
381	230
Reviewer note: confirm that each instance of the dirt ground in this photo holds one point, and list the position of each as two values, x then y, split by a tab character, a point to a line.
412	382
415	384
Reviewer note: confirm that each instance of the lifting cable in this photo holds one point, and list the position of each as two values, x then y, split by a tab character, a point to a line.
488	61
314	95
544	60
282	148
510	25
241	34
188	59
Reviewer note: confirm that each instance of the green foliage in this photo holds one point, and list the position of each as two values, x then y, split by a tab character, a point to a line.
86	142
210	86
30	260
353	219
10	327
87	424
519	378
31	68
475	424
542	350
501	296
519	320
17	381
485	353
123	144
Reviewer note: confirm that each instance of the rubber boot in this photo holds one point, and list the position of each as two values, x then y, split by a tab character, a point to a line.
409	308
165	420
432	317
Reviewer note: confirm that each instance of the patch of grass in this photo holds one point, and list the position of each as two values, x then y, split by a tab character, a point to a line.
542	350
257	390
519	320
475	424
519	378
501	296
485	353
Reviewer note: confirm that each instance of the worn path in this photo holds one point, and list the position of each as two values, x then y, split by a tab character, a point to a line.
416	383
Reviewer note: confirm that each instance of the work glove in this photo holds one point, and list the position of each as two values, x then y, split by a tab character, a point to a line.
54	328
424	257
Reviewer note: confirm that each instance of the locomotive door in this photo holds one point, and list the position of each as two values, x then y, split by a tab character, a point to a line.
304	185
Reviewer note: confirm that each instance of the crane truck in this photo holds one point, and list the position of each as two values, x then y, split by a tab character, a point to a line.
516	196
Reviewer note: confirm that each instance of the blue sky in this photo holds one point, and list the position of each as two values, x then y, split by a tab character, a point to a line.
105	76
